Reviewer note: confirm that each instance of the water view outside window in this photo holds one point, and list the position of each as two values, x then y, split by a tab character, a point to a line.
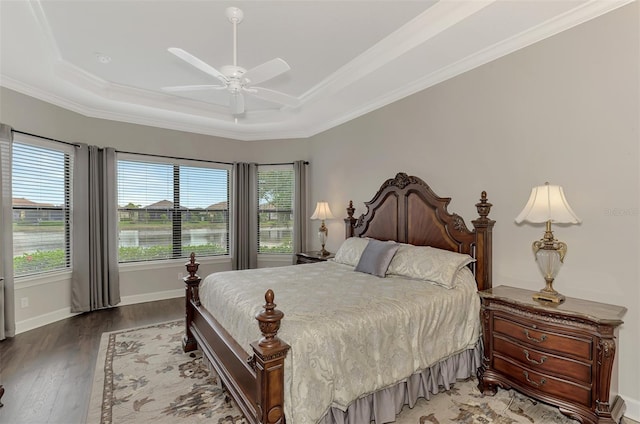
168	210
41	199
275	209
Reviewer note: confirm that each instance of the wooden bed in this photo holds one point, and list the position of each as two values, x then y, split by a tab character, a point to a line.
404	209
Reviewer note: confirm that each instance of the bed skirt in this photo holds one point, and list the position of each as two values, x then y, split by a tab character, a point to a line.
383	406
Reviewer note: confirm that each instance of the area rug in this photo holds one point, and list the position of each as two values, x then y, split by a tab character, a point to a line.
142	375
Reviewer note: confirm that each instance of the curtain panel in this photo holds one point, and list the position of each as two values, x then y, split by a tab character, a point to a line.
299	208
244	234
7	294
96	282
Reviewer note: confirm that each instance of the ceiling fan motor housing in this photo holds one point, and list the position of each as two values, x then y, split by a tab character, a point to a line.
233	72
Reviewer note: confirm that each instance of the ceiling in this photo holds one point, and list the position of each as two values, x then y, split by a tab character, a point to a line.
347	57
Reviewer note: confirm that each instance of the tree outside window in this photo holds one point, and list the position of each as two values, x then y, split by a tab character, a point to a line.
275	209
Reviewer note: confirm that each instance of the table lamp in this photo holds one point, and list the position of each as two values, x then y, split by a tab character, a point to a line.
322	212
548	204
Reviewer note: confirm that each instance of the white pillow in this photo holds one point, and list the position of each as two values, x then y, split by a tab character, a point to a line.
428	263
350	251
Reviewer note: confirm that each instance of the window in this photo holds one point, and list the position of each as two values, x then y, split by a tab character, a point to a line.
41	192
168	209
275	209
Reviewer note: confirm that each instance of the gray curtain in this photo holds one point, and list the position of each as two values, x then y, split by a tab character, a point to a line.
299	207
7	295
245	216
96	281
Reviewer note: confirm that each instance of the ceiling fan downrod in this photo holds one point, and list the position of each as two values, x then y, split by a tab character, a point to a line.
235	16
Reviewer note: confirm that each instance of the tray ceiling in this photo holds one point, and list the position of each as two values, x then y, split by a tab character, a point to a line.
109	59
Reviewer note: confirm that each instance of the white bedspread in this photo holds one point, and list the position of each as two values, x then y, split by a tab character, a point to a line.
350	333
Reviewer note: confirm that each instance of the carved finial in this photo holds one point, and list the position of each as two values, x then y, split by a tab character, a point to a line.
350	209
483	206
269	322
192	267
349	220
268	297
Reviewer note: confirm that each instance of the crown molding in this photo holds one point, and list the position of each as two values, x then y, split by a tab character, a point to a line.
575	17
433	21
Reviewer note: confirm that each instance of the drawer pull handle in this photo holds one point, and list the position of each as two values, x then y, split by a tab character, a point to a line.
526	375
533	339
533	361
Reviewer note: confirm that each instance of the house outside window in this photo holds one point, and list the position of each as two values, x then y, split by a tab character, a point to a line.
168	208
41	202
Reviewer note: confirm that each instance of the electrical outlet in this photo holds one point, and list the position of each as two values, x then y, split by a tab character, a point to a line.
24	302
180	276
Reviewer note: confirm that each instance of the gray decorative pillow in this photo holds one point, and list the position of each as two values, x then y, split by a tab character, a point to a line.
376	257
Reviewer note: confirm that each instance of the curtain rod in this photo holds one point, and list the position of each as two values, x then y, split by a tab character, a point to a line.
150	154
46	138
174	157
283	163
204	160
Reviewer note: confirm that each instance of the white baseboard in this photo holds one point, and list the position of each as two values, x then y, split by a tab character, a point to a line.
151	297
60	314
633	408
44	319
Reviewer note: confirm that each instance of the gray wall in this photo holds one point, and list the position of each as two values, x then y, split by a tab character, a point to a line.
565	110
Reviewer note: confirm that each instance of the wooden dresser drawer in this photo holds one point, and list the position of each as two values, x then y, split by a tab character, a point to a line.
542	361
544	340
559	388
562	354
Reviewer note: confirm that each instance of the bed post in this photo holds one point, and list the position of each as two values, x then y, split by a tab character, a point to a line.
484	243
350	221
192	282
269	354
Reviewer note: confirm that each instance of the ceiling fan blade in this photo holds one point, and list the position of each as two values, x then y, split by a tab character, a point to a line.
180	88
274	96
266	71
236	103
194	61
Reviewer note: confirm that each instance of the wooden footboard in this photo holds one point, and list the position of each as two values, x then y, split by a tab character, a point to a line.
255	381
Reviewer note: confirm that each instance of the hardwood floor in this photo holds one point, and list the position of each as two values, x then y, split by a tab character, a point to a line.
47	372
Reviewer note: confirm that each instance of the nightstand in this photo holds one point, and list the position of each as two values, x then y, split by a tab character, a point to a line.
560	354
312	257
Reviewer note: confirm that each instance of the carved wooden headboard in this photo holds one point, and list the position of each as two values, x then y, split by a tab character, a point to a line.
406	210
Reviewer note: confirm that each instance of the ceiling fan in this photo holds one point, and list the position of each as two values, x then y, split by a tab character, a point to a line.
236	79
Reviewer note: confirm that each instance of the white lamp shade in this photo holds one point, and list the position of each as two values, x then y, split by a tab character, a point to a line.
322	211
548	203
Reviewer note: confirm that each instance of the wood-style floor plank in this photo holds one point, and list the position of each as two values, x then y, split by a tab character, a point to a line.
47	372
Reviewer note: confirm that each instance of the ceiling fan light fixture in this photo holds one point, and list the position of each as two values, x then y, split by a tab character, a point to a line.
236	103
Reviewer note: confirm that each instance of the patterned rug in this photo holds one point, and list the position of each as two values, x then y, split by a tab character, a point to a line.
142	375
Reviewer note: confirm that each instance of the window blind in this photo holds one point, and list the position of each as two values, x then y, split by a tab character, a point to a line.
41	203
169	209
275	209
